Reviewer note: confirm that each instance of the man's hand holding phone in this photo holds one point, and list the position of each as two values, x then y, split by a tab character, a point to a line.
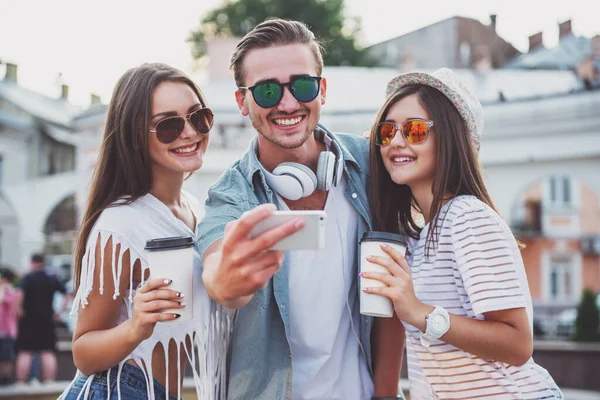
236	266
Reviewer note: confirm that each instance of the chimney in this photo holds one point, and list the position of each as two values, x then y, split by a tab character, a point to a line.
11	73
564	29
535	41
493	18
95	99
64	93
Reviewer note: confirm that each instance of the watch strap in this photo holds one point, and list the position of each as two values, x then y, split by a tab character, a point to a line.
427	337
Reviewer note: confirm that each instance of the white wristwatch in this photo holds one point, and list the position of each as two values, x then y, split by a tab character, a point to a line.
437	324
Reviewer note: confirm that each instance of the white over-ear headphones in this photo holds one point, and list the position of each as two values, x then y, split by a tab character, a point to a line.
294	181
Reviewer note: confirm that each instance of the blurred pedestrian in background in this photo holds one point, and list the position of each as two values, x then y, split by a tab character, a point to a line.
36	329
8	325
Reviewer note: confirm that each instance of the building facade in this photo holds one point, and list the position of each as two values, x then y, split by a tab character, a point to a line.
456	42
37	163
543	172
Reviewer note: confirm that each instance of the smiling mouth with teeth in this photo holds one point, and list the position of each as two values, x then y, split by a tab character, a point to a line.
287	121
402	159
189	149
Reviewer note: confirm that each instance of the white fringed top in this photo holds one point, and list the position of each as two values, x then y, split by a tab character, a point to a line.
130	226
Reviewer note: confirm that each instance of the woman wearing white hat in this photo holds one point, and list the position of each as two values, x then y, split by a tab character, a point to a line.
462	293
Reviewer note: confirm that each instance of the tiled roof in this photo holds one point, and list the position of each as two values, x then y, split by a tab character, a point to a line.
566	55
56	111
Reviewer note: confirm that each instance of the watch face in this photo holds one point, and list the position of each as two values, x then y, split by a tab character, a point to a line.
438	323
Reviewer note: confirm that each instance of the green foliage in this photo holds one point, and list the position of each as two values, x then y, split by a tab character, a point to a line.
588	318
325	18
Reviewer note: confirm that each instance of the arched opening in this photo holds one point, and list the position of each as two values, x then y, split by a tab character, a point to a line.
60	231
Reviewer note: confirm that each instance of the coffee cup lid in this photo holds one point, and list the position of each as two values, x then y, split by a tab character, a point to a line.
169	243
374	236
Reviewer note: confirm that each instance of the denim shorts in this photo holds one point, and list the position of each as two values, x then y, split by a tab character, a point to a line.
132	386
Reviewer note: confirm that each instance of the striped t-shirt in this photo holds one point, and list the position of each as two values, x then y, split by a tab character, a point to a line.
475	267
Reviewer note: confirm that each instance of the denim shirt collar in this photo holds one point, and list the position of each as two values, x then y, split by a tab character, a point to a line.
250	165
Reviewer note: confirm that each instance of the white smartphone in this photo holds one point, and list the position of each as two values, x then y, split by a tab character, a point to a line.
311	237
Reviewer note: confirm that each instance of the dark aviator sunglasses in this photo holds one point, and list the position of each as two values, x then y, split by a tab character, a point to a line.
168	130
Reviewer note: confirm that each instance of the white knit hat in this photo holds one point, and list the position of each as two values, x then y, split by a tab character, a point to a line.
446	81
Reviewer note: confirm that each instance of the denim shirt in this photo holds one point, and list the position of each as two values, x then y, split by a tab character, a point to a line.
260	359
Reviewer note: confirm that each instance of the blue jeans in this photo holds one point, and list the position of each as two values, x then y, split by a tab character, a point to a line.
132	386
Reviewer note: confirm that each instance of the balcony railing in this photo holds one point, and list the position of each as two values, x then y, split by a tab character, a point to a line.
525	229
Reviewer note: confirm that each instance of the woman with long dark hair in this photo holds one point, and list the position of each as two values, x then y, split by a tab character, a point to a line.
124	346
462	295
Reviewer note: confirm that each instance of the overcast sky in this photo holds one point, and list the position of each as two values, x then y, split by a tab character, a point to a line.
93	42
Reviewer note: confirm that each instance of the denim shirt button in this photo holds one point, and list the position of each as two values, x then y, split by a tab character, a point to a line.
354	195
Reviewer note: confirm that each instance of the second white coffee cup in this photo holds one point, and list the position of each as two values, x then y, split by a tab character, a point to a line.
370	245
173	258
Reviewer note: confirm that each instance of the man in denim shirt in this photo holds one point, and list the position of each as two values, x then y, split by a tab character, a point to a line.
298	333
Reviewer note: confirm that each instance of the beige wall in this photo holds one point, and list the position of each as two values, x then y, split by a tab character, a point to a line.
532	259
589	213
591	273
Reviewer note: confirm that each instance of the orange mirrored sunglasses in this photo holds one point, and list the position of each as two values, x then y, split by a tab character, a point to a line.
415	131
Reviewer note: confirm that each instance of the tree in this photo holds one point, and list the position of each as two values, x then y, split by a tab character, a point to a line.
588	318
324	17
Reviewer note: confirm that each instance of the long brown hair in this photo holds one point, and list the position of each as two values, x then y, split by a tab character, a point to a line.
123	169
457	173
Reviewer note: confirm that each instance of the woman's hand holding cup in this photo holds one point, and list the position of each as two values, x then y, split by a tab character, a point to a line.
149	301
398	283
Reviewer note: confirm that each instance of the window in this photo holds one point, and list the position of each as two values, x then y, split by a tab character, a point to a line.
566	190
554	283
560	191
553	190
562	269
1	170
51	164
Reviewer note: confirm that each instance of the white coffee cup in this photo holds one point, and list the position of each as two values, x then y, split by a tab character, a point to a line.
370	245
173	258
